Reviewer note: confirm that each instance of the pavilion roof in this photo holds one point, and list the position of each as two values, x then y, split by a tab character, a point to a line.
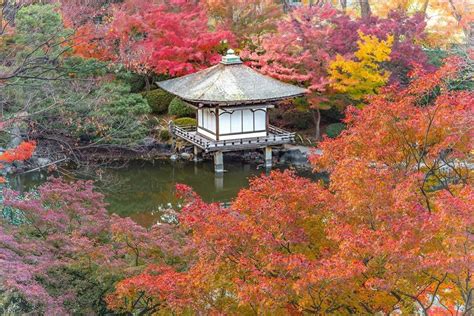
229	83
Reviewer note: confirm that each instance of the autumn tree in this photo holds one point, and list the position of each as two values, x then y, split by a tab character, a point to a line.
362	77
450	18
248	20
68	252
365	10
168	38
308	40
409	33
301	50
407	153
22	152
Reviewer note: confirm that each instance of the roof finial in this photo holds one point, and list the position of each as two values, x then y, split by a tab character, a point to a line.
231	58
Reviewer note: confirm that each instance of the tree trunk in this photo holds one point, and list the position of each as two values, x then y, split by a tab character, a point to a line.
317	121
343	5
147	83
469	304
468	29
425	7
364	8
2	5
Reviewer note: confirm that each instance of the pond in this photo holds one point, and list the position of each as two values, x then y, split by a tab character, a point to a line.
142	190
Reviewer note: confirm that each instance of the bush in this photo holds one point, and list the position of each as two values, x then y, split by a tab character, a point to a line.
165	135
180	108
297	119
333	130
333	113
185	121
158	100
118	120
136	81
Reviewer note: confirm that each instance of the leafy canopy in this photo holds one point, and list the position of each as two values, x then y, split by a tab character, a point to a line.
392	231
363	76
171	38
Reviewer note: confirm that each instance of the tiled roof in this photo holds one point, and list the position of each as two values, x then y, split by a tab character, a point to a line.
229	84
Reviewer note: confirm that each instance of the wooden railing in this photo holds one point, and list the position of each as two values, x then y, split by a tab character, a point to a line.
275	136
189	134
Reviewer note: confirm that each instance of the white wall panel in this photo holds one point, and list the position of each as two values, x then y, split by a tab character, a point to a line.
212	120
260	120
248	120
236	122
224	123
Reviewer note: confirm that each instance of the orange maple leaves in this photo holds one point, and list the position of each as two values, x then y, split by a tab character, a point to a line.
23	152
390	232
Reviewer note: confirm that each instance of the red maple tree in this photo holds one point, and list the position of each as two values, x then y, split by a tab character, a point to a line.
171	38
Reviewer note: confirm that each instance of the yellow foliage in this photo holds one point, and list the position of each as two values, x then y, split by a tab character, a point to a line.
363	76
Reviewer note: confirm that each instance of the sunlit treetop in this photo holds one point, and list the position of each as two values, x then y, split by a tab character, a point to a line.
363	76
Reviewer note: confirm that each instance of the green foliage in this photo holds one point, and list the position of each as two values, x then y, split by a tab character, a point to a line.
39	24
158	100
117	119
179	108
121	101
436	56
301	103
185	121
77	100
136	81
165	135
333	130
333	113
297	119
77	67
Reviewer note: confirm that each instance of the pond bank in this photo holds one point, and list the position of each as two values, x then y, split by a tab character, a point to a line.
49	156
143	189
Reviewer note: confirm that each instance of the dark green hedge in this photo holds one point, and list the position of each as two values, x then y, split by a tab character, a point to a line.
297	119
179	108
158	100
333	130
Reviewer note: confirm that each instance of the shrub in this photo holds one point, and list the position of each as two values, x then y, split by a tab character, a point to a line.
136	81
179	108
118	120
297	119
333	113
185	121
333	130
165	135
158	100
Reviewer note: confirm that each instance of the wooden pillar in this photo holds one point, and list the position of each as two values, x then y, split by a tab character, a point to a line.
268	157
218	162
197	152
173	136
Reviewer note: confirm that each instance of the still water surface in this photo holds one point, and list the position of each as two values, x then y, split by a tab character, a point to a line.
142	190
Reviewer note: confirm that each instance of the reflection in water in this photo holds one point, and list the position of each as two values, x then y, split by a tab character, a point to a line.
143	190
219	182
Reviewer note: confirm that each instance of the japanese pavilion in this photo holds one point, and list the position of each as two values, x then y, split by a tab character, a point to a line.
232	102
